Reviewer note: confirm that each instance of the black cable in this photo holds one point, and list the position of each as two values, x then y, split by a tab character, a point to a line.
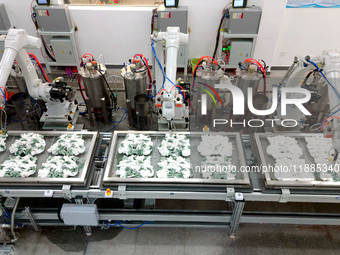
42	39
46	50
218	37
112	94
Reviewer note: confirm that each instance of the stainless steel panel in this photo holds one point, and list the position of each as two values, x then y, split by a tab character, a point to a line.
238	159
262	143
84	161
95	90
135	86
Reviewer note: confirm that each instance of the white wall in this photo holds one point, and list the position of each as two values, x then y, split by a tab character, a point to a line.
307	31
121	32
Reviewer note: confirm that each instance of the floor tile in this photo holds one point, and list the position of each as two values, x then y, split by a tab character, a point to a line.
306	240
27	243
62	241
262	239
162	241
115	239
208	241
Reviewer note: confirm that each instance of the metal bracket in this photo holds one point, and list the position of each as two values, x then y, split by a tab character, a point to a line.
67	191
122	192
230	194
31	218
285	196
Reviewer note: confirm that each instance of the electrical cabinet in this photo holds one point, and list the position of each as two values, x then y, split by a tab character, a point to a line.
80	214
240	50
63	50
54	18
243	21
5	24
174	17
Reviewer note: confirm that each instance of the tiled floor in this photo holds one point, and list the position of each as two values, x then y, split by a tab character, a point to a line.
251	239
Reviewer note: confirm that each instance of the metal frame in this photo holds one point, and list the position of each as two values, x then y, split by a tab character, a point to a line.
70	34
253	37
182	218
295	184
111	180
52	181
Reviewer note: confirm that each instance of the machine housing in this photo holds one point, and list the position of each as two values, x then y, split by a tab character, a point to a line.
54	18
243	21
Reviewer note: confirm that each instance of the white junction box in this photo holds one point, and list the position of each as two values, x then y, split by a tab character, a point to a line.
240	50
80	214
63	50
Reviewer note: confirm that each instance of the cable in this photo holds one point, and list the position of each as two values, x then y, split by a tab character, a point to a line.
330	117
35	58
114	99
219	30
81	89
133	227
153	20
13	217
124	116
319	70
111	225
315	129
218	37
20	100
159	64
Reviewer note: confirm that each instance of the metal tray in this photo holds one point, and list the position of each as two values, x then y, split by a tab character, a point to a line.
238	159
50	138
262	143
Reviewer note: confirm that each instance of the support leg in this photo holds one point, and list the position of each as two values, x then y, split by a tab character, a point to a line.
235	219
89	107
198	114
31	218
105	111
128	105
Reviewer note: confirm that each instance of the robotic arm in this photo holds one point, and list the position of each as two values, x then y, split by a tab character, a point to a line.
328	65
56	95
171	102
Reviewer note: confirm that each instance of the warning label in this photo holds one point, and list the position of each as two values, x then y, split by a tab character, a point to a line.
238	15
166	15
44	13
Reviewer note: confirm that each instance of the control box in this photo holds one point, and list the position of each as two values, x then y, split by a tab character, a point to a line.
54	18
5	24
243	21
80	214
63	50
174	17
170	17
240	50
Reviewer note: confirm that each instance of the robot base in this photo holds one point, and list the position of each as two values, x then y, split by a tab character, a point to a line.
60	123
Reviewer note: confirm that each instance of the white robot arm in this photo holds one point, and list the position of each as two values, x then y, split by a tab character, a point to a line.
329	62
170	98
56	95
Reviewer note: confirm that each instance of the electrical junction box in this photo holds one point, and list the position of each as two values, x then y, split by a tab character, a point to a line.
170	17
54	18
243	21
80	214
5	24
240	50
63	50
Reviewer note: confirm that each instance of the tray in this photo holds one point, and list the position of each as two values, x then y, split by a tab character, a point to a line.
238	159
